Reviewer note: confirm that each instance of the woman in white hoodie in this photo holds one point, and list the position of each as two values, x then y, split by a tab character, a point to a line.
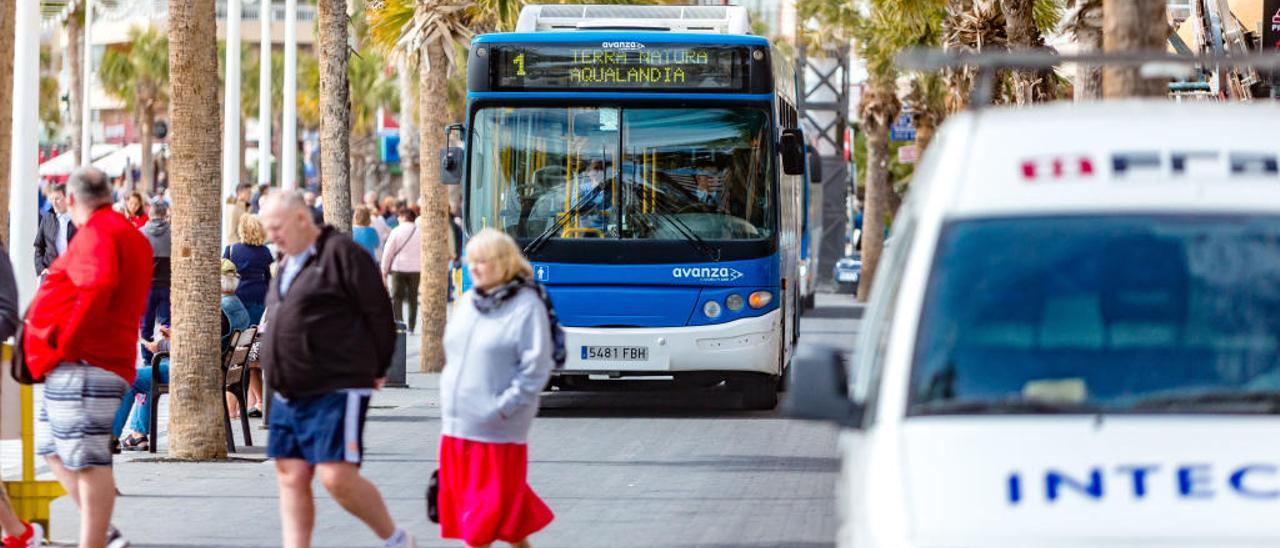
500	347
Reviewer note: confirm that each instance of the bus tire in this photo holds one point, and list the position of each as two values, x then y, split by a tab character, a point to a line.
759	392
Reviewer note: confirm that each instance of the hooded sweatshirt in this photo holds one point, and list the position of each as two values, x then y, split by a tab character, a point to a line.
157	232
496	365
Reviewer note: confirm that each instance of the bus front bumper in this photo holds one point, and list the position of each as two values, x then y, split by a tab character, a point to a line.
745	345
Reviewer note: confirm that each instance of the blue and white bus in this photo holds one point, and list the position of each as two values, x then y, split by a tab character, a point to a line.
648	160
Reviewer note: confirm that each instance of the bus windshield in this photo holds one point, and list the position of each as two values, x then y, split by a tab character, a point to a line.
634	173
1102	314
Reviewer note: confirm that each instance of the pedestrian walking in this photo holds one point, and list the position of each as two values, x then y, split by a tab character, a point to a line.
328	346
157	311
14	532
135	209
56	229
80	337
363	234
253	264
402	260
499	352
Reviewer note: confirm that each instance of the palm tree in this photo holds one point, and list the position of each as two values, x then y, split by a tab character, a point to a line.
50	111
1133	25
75	22
886	28
371	89
139	76
432	28
195	415
7	30
970	26
335	114
1084	24
1023	32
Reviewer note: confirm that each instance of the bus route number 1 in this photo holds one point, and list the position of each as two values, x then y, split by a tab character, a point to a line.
519	63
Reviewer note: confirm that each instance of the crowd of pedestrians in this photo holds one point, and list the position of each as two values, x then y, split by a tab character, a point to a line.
104	298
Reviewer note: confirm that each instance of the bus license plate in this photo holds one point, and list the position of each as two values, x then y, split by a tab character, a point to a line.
616	353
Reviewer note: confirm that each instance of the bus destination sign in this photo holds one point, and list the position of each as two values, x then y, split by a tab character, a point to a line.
621	65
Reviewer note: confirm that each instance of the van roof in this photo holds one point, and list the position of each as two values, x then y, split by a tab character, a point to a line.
1149	155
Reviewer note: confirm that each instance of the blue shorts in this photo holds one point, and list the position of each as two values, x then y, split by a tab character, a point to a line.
318	429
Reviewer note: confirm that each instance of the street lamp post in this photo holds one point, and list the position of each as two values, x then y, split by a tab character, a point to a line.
289	121
23	166
231	113
264	94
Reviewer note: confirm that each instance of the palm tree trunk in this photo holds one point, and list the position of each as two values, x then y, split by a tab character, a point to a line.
1023	34
434	108
1088	84
195	407
408	129
7	13
881	109
1133	25
335	114
74	36
148	161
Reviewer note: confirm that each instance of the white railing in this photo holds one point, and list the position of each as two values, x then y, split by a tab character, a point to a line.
249	12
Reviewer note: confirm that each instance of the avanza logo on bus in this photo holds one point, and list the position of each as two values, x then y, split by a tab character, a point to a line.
706	273
622	45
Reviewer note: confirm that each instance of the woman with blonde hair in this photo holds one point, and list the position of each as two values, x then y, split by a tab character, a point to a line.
363	233
253	265
500	347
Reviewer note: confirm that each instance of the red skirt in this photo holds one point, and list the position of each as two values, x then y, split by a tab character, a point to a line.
484	494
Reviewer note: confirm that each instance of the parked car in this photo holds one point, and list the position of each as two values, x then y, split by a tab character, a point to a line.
847	272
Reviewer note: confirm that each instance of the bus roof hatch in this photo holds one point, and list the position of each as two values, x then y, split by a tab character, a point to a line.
701	19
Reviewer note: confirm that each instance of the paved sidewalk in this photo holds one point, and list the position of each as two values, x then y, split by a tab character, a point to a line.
684	469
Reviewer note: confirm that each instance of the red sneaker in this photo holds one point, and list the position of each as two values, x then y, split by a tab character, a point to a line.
32	537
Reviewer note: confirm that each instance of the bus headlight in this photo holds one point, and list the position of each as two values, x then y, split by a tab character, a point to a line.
760	299
711	309
734	302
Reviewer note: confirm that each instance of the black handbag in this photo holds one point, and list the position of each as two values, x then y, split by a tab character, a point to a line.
18	362
433	497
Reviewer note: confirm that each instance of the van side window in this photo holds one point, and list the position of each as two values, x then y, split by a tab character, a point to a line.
878	323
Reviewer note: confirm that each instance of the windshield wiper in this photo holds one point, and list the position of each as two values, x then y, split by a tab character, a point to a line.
1209	400
683	229
584	204
687	233
1002	407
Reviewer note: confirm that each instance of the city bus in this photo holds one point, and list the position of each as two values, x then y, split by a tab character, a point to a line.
648	160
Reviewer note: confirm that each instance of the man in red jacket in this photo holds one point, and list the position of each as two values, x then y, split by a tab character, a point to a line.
81	339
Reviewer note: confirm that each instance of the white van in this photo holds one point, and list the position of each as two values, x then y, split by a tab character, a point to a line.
1074	339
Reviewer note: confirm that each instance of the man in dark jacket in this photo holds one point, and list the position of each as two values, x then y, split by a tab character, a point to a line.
56	229
157	232
327	346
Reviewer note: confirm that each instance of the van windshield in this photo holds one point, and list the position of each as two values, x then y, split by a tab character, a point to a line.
1143	314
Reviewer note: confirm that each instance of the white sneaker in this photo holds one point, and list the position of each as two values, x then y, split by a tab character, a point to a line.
115	539
407	541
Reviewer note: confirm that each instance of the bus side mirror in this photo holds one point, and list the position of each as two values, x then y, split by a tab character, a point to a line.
791	145
818	389
451	157
815	165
